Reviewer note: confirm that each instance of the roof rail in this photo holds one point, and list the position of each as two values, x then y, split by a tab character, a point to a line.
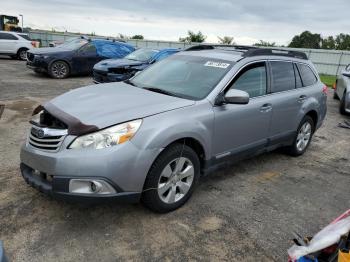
219	46
249	51
275	52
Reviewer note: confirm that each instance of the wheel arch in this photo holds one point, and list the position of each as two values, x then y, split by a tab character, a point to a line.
193	143
314	115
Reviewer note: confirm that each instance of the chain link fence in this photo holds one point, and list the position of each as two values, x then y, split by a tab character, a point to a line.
328	62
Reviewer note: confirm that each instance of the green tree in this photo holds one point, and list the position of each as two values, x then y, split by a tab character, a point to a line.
265	43
306	40
227	40
193	37
342	42
137	37
328	43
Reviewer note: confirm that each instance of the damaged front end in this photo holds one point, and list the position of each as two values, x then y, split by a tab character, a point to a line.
114	74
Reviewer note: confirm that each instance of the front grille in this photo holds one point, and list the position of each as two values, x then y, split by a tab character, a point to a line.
46	139
30	57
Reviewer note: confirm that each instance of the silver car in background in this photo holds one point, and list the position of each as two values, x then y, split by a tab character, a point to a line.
342	91
152	137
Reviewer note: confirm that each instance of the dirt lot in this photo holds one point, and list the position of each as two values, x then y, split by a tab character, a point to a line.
243	213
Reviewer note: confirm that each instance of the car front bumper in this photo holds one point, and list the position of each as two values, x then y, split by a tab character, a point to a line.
38	66
100	77
124	167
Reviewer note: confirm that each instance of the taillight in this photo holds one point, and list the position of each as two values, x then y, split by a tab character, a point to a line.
325	90
335	85
33	43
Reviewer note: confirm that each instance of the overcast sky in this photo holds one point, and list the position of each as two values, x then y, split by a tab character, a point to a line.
247	21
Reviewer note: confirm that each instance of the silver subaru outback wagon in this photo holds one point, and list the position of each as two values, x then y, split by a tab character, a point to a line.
152	137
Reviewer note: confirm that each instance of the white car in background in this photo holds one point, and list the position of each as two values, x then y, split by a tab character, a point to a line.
15	44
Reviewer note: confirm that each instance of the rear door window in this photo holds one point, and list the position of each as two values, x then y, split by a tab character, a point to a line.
298	82
6	36
283	78
252	79
307	76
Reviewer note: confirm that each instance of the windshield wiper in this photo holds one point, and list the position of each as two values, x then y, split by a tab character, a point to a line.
162	91
128	81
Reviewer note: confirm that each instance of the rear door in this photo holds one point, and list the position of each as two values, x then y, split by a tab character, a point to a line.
244	128
287	100
8	43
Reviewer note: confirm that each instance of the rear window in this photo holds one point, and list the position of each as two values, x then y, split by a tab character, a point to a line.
283	78
26	37
307	76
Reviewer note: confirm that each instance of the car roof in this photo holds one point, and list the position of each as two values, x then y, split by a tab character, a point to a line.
236	53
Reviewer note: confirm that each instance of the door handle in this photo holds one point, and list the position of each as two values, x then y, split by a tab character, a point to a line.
266	108
302	98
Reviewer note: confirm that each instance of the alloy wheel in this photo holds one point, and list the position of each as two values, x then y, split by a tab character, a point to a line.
175	180
304	136
59	70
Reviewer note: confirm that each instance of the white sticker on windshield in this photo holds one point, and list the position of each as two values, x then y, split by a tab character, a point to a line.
217	64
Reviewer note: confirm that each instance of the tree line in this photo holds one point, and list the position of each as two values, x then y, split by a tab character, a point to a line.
305	40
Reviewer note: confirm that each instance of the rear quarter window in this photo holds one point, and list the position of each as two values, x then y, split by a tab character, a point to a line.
26	37
283	78
307	75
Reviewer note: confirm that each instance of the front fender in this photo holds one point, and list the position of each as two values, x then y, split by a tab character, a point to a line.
160	130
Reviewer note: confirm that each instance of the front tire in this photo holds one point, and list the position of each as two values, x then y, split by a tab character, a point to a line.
303	137
59	70
171	179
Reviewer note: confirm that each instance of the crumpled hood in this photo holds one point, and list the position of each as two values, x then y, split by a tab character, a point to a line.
105	105
115	63
48	50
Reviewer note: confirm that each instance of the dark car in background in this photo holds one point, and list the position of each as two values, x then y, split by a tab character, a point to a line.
114	70
75	57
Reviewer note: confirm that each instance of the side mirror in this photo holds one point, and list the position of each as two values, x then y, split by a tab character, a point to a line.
233	96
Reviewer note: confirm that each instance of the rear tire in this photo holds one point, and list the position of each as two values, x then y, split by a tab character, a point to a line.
22	54
303	137
171	179
59	70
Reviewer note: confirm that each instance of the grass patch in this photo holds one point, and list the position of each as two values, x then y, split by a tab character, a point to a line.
329	80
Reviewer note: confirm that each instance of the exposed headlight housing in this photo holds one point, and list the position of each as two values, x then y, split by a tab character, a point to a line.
108	137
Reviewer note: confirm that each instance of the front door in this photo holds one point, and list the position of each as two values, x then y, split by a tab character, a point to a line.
85	59
242	128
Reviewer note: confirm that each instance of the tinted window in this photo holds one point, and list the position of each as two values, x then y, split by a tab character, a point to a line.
298	82
252	80
307	76
26	37
6	36
282	76
88	48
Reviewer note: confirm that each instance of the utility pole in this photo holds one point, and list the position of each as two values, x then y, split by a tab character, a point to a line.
22	21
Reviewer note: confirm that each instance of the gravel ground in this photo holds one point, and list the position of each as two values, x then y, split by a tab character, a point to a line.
243	213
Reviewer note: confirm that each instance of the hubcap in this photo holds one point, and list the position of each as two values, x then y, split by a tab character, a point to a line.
175	180
59	70
304	136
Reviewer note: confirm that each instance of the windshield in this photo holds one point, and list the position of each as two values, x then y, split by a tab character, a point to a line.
184	76
73	44
142	54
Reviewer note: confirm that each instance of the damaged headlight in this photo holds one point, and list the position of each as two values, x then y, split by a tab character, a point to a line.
108	137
